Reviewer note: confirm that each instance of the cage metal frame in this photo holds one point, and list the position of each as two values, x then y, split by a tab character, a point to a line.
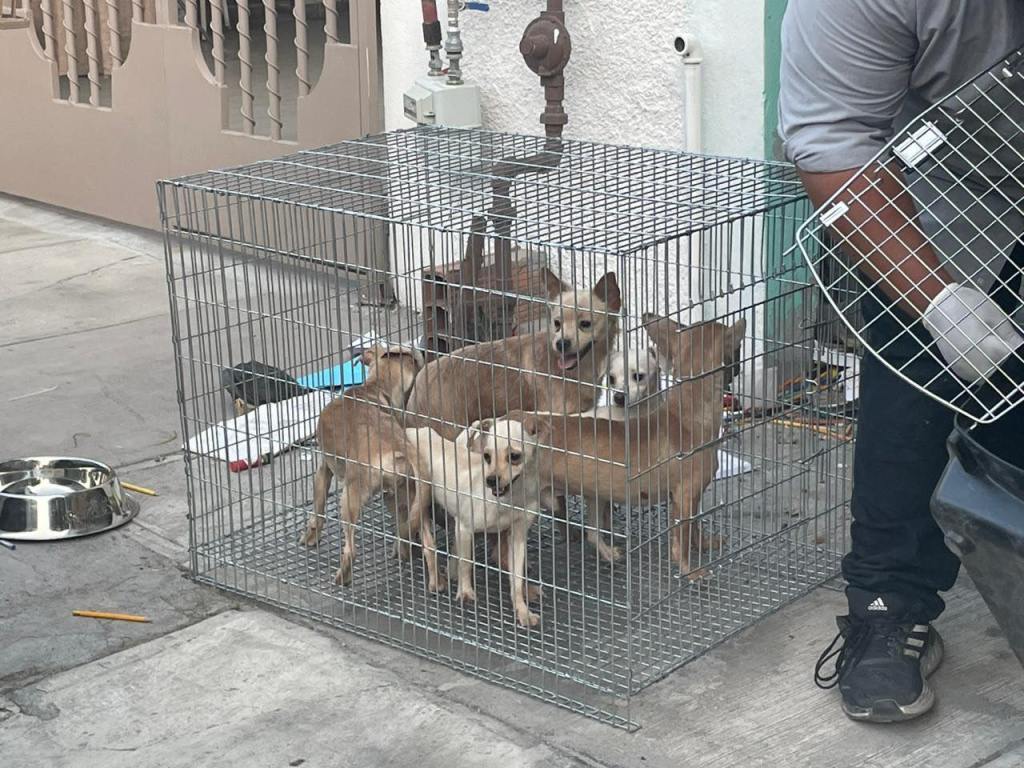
271	259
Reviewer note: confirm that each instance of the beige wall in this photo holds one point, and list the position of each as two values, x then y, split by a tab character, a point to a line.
166	119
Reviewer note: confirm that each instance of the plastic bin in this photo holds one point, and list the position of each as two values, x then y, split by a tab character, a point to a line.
979	504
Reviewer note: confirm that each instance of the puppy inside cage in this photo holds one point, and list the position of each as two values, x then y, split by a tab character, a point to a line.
590	440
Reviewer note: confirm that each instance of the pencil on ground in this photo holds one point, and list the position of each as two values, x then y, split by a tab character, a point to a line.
111	616
138	489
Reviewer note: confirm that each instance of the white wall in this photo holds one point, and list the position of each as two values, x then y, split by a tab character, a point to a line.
624	81
623	86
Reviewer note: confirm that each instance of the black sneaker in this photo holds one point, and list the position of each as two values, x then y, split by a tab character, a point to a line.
882	666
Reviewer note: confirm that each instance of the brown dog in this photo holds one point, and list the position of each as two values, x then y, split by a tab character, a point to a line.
558	370
365	447
671	454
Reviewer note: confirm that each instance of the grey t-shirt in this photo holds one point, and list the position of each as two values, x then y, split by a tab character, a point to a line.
854	72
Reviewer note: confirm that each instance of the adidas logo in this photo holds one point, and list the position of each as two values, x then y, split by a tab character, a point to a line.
878	604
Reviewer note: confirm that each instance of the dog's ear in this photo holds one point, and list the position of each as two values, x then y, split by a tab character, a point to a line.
411	353
478	432
660	363
737	331
553	284
732	349
733	341
663	332
369	356
607	290
536	427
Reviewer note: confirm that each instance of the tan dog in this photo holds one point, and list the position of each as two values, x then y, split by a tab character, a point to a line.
365	447
557	370
671	454
488	481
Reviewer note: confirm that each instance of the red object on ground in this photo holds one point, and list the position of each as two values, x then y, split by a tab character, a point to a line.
243	466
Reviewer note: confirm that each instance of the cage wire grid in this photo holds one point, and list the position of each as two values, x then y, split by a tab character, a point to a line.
944	194
297	262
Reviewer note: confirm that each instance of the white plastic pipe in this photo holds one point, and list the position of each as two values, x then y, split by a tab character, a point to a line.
692	54
689	49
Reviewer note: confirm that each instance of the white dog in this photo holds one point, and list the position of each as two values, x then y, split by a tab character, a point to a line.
489	482
630	392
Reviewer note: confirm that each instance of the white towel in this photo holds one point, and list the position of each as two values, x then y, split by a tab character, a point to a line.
250	440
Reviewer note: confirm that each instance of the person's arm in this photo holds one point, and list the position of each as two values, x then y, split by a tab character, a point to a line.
846	70
878	230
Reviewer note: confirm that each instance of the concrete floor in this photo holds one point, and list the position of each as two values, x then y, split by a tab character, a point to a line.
85	368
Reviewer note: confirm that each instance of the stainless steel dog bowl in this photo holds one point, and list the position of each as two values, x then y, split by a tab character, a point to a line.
47	498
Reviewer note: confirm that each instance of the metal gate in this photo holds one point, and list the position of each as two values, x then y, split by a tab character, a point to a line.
100	98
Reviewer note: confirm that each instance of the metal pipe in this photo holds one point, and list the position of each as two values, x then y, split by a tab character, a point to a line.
432	37
546	47
453	44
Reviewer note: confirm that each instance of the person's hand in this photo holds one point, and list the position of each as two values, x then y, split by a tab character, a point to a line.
972	333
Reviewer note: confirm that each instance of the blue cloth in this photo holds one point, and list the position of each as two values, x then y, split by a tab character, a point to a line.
339	377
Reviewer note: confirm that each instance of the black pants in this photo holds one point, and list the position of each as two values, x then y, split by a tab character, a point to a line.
897	549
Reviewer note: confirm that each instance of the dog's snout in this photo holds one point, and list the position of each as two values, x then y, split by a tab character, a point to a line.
492	481
619	398
563	345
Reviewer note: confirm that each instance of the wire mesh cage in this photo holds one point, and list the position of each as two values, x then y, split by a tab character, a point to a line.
553	413
921	249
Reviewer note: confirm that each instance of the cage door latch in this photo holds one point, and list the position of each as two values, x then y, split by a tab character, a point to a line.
832	215
919	144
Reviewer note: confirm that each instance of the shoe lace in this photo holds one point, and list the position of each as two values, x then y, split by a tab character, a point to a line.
854	636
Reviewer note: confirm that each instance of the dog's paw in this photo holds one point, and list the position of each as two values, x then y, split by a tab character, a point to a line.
534	594
697	576
527	618
402	551
571	532
466	595
310	537
610	554
343	577
440	581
